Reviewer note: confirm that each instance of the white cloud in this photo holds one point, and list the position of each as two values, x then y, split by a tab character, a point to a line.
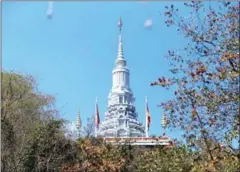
148	23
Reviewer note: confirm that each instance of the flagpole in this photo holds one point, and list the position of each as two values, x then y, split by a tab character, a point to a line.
146	126
96	129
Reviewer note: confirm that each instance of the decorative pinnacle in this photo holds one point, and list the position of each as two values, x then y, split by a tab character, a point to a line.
120	24
164	121
120	46
78	122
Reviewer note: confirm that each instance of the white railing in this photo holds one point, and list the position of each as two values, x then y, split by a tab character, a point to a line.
139	141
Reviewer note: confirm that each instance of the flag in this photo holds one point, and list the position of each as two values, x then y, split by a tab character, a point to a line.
148	117
97	118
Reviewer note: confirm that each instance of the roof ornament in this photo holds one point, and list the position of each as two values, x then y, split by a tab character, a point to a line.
164	122
120	46
120	24
78	123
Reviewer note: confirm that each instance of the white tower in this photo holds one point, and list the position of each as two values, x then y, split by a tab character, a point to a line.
121	117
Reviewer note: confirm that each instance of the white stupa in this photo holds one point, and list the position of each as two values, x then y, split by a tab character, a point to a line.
121	116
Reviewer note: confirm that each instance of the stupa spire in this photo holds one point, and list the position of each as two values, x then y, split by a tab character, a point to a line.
120	45
121	116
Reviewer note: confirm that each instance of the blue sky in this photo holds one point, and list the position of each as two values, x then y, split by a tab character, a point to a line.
73	54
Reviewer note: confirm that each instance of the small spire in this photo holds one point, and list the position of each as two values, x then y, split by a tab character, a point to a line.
120	46
164	123
78	122
120	24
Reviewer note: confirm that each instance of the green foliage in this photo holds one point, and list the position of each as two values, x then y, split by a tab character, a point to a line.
49	148
205	79
169	160
32	139
205	74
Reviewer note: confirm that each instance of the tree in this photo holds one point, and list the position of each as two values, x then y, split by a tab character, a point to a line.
22	108
29	127
205	74
89	129
93	154
178	158
224	158
49	148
